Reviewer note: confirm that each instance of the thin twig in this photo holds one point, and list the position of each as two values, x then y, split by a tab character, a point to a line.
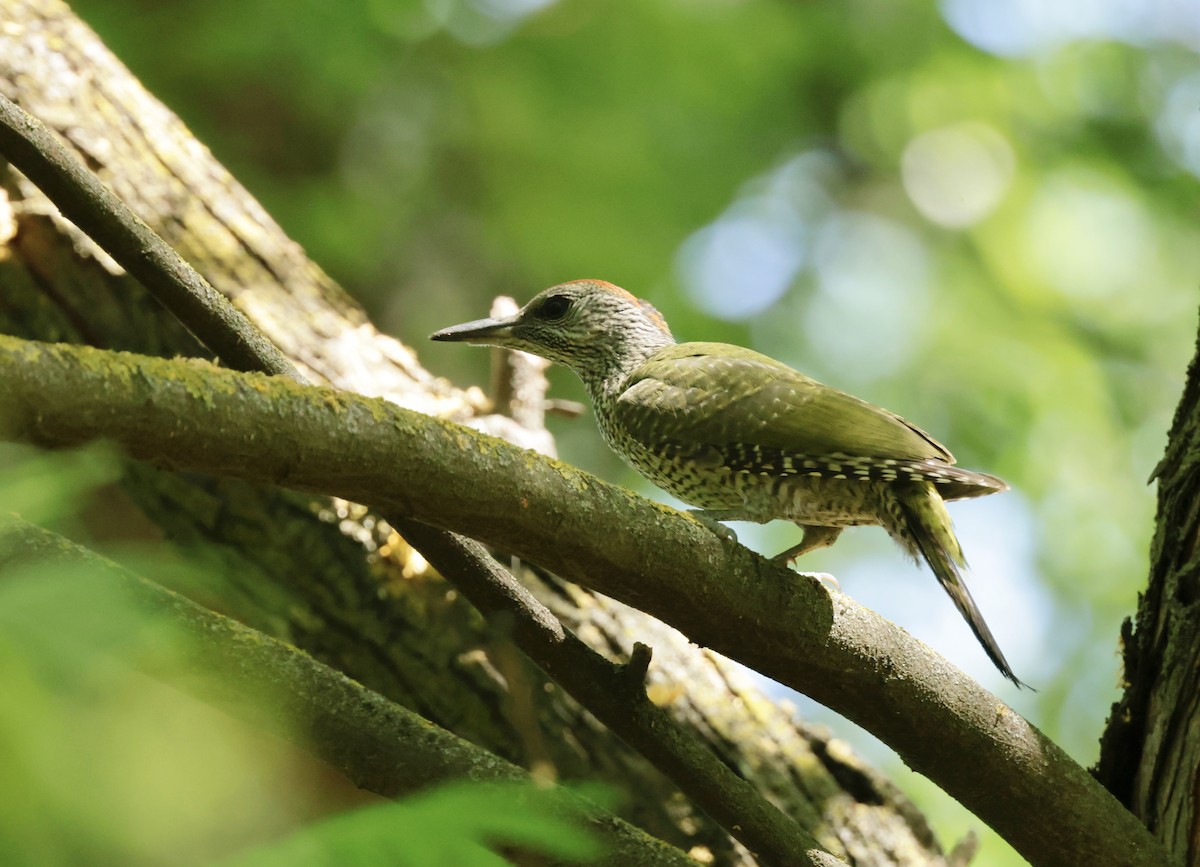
89	204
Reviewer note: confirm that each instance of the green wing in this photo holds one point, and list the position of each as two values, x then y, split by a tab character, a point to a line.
715	395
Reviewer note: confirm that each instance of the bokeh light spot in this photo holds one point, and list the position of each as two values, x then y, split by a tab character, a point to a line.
739	266
958	174
1088	238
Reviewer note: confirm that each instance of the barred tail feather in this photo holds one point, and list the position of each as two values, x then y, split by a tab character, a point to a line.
930	529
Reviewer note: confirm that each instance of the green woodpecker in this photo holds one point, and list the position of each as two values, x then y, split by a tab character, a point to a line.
746	438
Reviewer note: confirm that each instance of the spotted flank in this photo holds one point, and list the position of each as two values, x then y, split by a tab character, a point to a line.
751	459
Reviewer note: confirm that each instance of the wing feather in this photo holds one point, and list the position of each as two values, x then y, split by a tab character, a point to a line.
715	395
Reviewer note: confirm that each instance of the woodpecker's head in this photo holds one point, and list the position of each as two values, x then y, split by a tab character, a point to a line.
595	328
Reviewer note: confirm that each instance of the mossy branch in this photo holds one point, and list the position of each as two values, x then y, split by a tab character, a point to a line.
193	416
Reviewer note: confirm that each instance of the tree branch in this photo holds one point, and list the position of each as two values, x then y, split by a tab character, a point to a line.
617	700
728	798
196	417
380	746
91	206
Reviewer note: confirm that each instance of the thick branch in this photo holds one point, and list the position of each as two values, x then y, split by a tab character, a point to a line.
196	417
380	746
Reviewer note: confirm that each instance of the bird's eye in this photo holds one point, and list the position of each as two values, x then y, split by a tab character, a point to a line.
554	307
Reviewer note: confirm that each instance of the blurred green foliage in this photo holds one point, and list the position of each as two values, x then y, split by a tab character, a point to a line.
978	214
460	824
100	764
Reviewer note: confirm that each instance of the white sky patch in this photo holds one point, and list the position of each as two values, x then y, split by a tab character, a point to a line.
873	295
739	266
744	262
1178	123
1021	27
480	22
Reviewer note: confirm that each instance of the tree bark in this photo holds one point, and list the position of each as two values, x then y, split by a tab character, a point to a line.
1150	752
326	575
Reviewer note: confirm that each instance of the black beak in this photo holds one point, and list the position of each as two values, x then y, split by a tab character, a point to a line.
480	331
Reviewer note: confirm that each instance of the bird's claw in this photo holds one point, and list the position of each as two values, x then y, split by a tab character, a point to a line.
787	558
825	579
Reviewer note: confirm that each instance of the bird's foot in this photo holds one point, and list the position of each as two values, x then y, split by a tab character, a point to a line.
712	520
785	558
814	537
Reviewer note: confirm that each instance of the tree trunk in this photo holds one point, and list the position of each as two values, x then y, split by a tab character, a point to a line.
327	576
1150	753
